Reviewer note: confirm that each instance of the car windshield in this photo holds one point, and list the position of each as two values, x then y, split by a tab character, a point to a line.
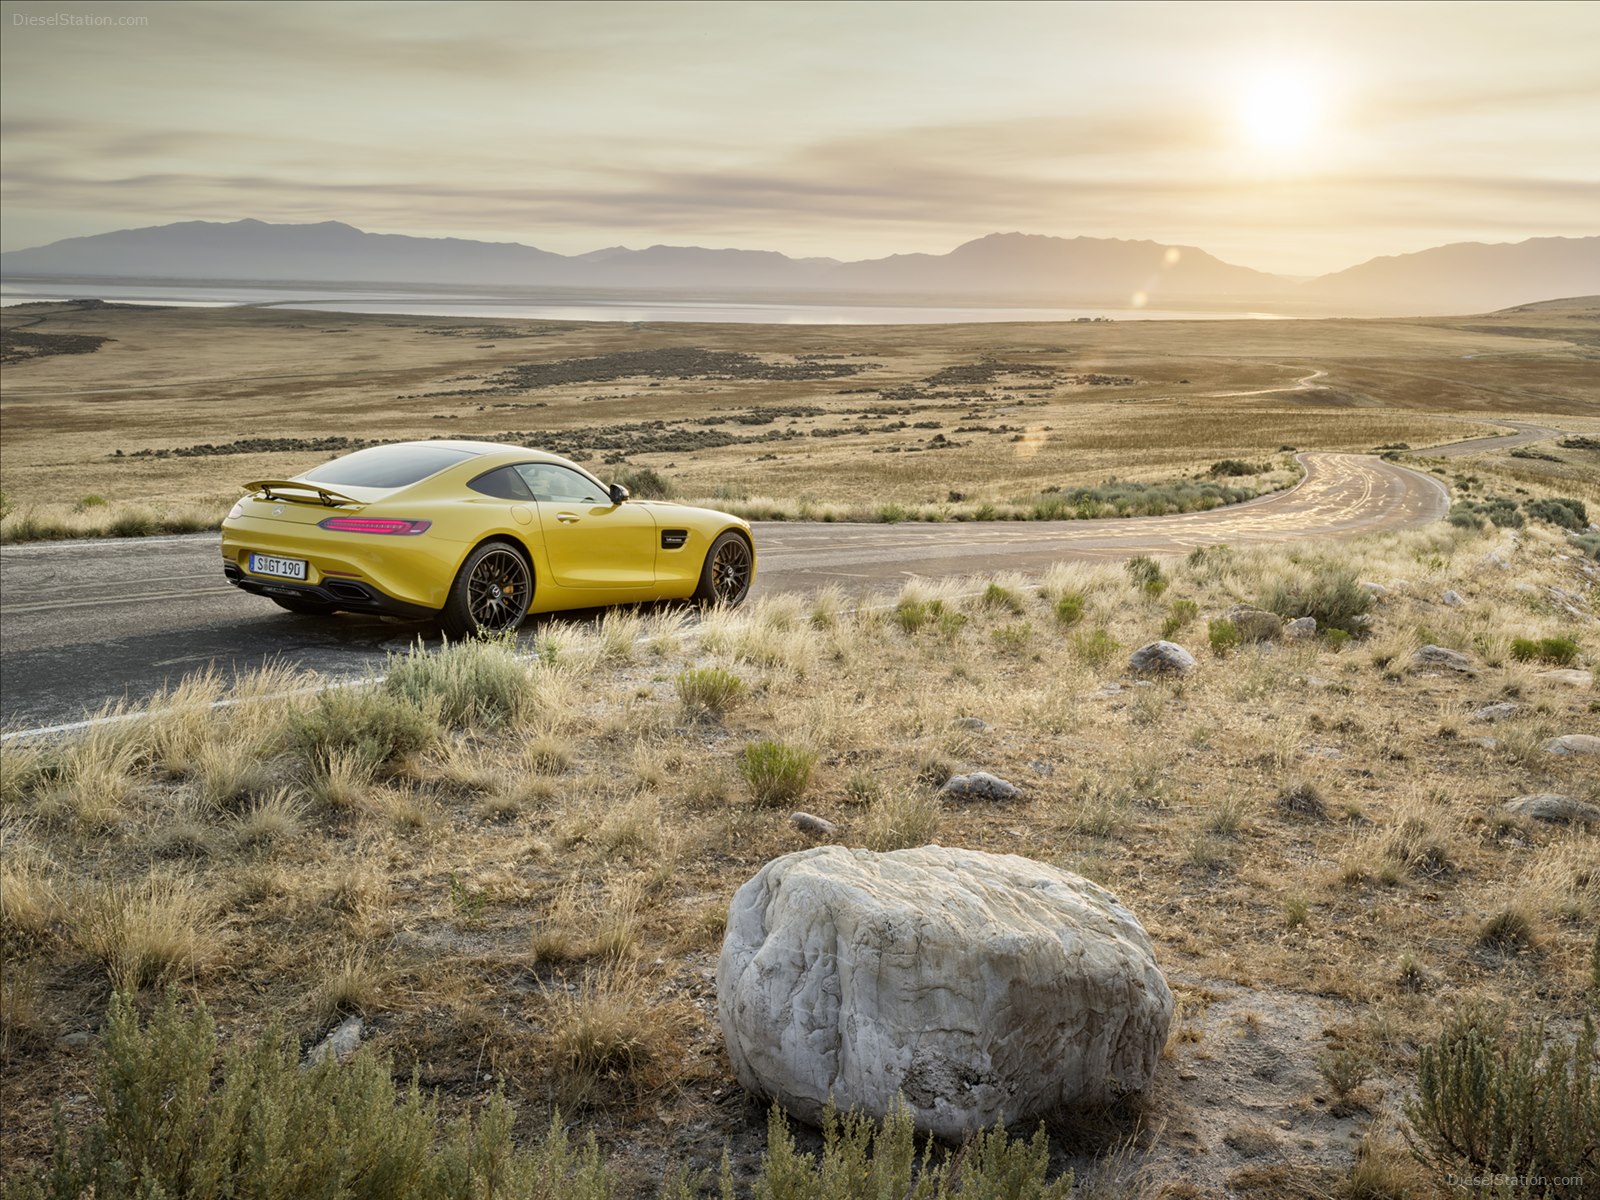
387	466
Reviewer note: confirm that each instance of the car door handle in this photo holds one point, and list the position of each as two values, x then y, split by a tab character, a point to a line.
567	518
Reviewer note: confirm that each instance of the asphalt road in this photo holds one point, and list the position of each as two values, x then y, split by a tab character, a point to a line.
84	623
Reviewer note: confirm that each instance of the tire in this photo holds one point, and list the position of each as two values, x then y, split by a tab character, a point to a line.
725	577
304	608
491	593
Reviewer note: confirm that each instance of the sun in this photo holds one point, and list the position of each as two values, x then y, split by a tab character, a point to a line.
1279	112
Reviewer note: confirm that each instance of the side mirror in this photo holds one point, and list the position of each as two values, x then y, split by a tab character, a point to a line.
618	493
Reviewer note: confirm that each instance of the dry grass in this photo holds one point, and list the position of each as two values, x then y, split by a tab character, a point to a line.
1300	822
145	931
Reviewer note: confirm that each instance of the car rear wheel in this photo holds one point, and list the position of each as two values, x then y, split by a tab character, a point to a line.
491	593
304	608
725	577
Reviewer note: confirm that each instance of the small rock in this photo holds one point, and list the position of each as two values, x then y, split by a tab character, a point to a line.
1557	809
1301	627
1439	656
1501	710
1452	599
1107	689
1161	656
980	785
1569	676
1498	561
1486	743
75	1042
816	826
1325	751
1144	683
972	723
1573	744
1376	590
340	1044
1255	624
1527	589
1040	767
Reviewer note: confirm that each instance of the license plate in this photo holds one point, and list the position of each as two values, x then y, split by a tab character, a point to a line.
283	568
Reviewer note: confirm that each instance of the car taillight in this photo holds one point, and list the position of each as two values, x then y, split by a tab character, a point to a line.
236	511
374	525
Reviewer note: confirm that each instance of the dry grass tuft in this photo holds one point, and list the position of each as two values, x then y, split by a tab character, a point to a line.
900	819
146	931
349	983
605	1039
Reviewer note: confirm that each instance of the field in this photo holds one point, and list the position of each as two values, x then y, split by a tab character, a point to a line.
126	420
515	870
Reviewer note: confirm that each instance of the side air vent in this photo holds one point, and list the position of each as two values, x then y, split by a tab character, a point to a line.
673	539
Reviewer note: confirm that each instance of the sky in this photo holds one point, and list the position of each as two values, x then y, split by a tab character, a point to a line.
1295	138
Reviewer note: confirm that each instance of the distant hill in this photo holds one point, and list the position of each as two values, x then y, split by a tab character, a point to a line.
1102	272
1082	268
1467	277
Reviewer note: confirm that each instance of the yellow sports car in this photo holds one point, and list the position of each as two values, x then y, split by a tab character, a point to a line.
476	536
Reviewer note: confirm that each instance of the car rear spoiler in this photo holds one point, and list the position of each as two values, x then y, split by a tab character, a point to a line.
300	492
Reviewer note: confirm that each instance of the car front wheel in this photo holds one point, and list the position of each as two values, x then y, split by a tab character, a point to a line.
491	593
725	577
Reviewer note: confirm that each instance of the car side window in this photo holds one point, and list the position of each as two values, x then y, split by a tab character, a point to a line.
503	484
550	482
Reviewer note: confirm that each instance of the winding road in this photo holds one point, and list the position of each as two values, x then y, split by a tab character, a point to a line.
83	623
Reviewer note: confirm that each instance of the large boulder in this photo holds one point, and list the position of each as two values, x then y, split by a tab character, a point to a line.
1573	743
1161	657
1441	656
981	987
1255	624
1554	808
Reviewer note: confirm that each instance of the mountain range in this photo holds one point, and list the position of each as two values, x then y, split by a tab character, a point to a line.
1465	277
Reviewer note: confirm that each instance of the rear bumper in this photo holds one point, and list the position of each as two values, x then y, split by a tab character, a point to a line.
347	595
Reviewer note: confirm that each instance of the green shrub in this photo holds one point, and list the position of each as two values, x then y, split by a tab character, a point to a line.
373	725
1563	511
912	615
1588	545
892	514
475	683
1230	466
1493	1100
1096	647
1330	594
262	1127
1558	650
1223	635
91	501
777	773
1014	638
1070	607
996	596
1336	639
1179	616
864	1160
134	522
644	483
1146	575
709	689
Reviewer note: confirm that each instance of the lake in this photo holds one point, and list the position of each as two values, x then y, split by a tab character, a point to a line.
562	305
